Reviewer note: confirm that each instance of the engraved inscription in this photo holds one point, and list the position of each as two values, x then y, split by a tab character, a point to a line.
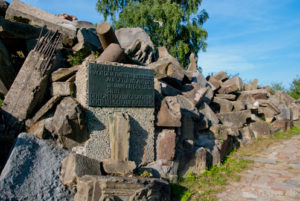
117	86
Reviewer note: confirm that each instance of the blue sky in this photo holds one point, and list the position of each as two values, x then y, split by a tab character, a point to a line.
255	39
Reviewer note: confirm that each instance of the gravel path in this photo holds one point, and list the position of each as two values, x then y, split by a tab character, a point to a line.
275	176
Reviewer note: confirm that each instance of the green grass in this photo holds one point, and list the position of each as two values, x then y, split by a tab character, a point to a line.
206	185
1	101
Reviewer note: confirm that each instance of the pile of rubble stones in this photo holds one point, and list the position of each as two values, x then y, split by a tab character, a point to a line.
198	120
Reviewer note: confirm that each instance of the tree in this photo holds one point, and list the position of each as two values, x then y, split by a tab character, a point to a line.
294	90
176	24
276	86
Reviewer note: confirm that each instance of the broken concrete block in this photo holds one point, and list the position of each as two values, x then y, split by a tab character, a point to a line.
195	162
222	105
216	83
140	52
193	63
168	71
205	110
116	167
169	114
119	134
38	129
44	110
165	89
238	105
257	94
251	85
231	85
20	12
68	123
221	76
74	166
62	88
234	119
230	97
62	74
166	142
283	124
106	35
112	53
285	112
95	188
87	40
260	129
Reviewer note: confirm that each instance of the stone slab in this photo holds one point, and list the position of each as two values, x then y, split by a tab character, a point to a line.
117	86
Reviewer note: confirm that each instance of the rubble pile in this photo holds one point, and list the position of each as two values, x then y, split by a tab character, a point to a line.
198	120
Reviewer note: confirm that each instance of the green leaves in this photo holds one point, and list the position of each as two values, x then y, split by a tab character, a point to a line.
175	24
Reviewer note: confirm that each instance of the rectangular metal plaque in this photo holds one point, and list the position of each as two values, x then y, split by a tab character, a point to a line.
117	86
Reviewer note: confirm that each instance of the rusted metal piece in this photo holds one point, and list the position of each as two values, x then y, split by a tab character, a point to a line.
106	34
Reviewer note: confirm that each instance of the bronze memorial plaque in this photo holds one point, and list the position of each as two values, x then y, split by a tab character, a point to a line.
117	86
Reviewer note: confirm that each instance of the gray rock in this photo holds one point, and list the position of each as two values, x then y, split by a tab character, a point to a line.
169	114
62	74
206	111
116	167
165	89
216	83
199	79
221	76
193	63
95	188
222	105
260	129
3	7
127	36
194	93
62	89
257	93
238	105
75	166
285	112
186	106
32	172
283	124
69	124
230	97
18	11
232	85
87	40
38	129
234	119
251	85
247	136
140	52
162	169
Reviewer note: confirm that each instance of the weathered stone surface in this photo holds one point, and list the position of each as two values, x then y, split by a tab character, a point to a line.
285	112
195	162
62	88
119	134
20	12
281	97
295	111
141	126
163	53
140	52
206	111
163	169
169	114
44	110
38	130
216	83
257	93
62	74
251	85
260	129
193	63
117	167
87	40
68	123
128	36
166	142
74	166
168	71
238	105
28	89
222	105
186	106
232	85
112	53
32	172
188	128
165	89
95	188
194	93
16	30
221	76
199	79
106	34
230	97
283	124
234	119
268	113
7	72
247	136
